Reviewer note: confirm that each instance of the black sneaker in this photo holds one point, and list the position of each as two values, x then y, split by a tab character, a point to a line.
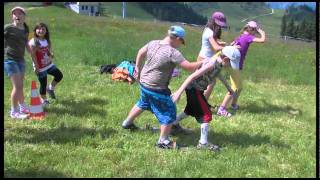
51	94
131	127
209	146
177	128
170	145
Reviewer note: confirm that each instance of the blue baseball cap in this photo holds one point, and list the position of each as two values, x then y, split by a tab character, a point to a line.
178	32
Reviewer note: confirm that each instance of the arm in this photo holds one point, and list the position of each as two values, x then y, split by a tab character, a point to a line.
139	59
190	66
262	38
33	57
215	45
50	52
193	76
28	47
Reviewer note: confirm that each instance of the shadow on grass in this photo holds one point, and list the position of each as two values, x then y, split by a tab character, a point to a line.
82	108
60	135
269	108
28	173
239	139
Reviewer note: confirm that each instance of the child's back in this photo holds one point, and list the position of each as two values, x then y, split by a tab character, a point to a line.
244	40
203	81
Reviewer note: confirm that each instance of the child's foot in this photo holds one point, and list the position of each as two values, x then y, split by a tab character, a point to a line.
176	128
18	115
211	147
24	110
223	112
167	144
234	107
45	103
51	94
130	126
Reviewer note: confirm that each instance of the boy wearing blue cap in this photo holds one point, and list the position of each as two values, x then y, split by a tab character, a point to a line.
154	77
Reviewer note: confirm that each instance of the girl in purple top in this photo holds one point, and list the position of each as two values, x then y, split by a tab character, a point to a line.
244	40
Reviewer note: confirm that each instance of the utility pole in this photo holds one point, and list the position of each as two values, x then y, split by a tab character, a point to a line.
123	10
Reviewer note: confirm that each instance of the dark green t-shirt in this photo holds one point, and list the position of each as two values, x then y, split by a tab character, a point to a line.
15	40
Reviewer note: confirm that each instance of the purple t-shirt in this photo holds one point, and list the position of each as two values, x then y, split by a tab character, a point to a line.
244	40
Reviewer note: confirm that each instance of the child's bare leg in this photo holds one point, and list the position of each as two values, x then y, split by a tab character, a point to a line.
164	133
235	99
209	89
135	112
226	100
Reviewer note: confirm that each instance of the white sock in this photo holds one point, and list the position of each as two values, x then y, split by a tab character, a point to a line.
126	122
204	133
179	117
51	87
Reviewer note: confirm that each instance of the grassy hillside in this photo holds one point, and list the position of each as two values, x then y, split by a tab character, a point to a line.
133	10
272	135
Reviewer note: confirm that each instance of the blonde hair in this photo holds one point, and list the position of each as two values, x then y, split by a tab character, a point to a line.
248	29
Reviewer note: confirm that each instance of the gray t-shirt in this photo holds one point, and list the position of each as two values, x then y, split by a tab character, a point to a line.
15	40
203	81
161	59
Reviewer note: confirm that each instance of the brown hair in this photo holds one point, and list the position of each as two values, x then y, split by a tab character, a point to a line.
215	28
46	36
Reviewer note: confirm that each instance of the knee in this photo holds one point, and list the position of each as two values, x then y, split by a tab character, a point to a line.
59	77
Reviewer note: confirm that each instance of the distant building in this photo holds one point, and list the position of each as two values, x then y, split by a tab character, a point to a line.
86	8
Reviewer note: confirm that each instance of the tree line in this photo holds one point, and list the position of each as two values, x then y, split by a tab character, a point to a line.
173	11
299	22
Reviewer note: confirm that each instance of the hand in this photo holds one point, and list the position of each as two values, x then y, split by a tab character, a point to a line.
237	46
222	43
175	97
36	69
260	31
136	73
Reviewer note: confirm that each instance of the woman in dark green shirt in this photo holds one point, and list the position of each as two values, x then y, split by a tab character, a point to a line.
15	42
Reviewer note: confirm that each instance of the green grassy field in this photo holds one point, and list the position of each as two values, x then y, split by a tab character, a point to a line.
272	135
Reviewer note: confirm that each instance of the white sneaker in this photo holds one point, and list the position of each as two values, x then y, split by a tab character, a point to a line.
18	115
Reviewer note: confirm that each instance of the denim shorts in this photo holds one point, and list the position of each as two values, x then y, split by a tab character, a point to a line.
14	67
159	103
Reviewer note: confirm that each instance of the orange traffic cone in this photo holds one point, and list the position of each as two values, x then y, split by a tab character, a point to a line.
36	109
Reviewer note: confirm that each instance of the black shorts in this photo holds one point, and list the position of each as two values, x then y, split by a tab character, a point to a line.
198	106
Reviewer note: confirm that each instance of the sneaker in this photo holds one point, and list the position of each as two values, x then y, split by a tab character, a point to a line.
168	145
223	112
131	127
177	128
45	103
24	110
51	94
234	107
211	147
18	115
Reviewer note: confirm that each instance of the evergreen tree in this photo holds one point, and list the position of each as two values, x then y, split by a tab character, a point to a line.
303	29
290	28
296	31
283	26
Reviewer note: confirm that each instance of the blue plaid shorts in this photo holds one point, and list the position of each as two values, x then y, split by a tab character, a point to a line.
159	103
